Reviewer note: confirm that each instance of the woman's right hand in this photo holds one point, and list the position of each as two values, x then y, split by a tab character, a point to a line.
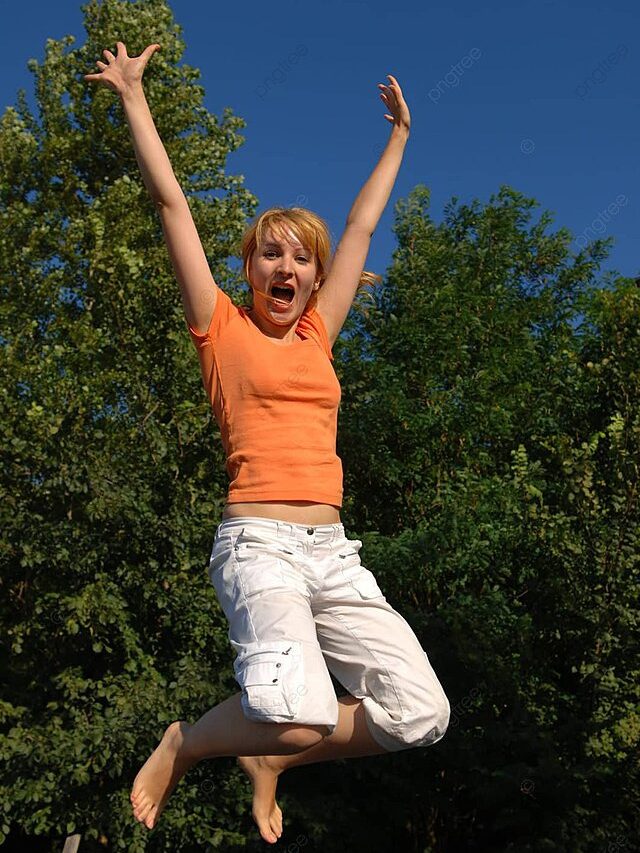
122	72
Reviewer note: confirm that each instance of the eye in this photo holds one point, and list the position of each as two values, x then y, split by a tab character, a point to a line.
299	258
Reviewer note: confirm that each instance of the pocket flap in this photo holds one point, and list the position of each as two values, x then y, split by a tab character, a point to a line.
264	672
366	584
257	660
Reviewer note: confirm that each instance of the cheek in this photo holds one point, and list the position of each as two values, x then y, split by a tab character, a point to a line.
260	271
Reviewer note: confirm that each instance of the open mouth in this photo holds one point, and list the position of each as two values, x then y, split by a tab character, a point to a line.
283	292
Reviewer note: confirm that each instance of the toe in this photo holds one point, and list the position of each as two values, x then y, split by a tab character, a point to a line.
138	807
265	829
144	810
277	830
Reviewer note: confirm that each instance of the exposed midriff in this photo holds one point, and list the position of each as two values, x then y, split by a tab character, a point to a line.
296	512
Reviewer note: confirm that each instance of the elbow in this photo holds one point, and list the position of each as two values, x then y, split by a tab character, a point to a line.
361	226
162	203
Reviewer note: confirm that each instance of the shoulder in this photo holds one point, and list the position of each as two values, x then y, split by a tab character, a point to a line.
220	311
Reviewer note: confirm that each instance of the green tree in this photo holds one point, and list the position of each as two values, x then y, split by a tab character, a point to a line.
490	437
492	441
113	472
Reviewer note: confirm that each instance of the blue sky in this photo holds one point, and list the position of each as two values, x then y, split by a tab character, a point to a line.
540	96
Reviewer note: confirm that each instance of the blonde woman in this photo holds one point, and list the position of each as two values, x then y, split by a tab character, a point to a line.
299	602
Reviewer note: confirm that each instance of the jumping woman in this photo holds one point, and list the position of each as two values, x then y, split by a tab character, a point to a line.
299	602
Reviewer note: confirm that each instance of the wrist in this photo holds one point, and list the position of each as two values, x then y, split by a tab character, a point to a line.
401	131
131	92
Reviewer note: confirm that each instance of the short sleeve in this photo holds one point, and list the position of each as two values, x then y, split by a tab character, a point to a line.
313	325
204	343
224	311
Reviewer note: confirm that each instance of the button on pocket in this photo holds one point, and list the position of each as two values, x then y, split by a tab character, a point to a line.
265	672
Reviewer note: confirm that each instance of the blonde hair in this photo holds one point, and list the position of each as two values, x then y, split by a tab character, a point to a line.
312	231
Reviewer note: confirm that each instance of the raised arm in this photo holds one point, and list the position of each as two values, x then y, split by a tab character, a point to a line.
123	74
374	195
337	293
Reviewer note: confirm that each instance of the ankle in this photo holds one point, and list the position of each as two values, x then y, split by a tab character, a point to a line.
279	763
186	748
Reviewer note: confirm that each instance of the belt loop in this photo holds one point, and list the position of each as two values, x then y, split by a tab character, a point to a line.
284	528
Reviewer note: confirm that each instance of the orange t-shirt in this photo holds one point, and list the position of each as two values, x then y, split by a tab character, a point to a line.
276	406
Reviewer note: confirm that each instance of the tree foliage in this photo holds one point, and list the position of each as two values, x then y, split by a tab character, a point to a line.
113	473
492	439
490	435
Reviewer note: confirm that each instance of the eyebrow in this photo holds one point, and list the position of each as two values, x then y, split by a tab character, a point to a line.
277	245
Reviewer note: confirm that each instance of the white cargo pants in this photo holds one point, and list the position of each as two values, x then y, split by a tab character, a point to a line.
300	603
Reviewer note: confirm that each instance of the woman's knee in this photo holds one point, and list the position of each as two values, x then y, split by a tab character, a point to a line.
424	724
429	722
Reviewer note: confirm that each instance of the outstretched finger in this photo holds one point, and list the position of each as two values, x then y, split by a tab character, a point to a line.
122	50
148	52
108	56
395	84
389	94
92	78
101	65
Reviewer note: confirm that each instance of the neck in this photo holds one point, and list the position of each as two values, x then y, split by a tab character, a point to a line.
286	334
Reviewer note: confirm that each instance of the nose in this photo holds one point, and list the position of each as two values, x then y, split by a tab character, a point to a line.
284	270
286	264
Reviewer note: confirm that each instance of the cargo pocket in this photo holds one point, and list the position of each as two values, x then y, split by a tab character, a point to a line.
259	563
355	574
271	675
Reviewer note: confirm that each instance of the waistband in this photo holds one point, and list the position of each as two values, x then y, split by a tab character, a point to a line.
317	533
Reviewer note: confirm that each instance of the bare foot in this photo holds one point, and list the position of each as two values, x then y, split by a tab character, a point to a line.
263	771
159	775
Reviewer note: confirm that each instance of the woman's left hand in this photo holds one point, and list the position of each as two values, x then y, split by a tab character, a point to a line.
396	104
